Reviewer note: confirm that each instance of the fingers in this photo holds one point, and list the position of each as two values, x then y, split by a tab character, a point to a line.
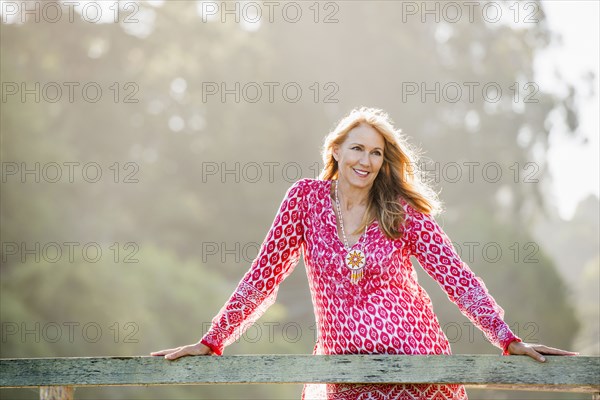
536	356
176	354
171	354
197	349
163	352
552	350
536	352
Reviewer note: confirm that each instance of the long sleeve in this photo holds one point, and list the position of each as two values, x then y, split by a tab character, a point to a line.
436	254
257	290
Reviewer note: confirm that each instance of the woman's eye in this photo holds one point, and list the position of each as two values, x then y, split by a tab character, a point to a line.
358	148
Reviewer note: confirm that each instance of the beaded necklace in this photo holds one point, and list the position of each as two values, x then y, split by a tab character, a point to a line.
355	259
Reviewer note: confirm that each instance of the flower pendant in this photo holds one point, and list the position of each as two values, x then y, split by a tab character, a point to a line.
355	261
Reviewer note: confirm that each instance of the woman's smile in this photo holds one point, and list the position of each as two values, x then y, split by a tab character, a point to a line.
361	173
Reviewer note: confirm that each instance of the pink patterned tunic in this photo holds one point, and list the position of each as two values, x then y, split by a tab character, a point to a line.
386	312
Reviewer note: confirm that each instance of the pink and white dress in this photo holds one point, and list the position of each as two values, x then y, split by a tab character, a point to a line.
386	312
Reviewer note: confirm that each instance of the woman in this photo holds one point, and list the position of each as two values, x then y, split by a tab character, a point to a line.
357	227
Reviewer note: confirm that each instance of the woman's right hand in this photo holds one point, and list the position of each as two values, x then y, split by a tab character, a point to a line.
197	349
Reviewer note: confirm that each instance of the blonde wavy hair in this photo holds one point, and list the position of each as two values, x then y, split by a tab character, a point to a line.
399	176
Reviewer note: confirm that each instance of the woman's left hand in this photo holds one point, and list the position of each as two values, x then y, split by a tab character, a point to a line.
535	351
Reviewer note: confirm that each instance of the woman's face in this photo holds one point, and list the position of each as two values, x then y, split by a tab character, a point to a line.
360	156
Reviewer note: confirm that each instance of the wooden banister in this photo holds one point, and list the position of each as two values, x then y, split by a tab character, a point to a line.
558	373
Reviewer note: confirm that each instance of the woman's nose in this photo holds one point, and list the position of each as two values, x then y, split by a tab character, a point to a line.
364	159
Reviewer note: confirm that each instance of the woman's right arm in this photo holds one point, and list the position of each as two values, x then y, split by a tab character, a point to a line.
257	290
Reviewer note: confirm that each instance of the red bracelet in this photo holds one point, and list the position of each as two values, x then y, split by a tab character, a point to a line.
210	346
505	352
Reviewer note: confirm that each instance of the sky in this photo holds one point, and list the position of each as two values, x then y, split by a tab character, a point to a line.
574	166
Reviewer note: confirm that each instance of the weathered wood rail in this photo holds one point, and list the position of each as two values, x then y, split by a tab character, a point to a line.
57	377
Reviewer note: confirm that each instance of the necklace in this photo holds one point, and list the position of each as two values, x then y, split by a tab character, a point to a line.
355	259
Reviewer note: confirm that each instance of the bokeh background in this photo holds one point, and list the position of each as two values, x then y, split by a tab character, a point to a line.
146	147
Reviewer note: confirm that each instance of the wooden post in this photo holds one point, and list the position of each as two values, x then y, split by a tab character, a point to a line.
56	392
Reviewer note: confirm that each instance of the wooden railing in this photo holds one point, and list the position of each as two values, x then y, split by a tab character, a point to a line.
57	377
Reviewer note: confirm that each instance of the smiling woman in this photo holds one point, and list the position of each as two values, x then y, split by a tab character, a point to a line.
370	131
357	227
361	156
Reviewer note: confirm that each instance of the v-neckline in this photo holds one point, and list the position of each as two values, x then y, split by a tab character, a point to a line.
334	219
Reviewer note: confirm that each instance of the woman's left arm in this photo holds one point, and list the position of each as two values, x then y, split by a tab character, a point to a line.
436	254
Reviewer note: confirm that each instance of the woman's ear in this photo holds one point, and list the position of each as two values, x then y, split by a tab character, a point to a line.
335	152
